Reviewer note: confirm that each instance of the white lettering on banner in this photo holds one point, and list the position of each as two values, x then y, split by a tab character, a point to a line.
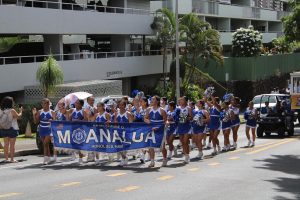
64	138
105	135
116	136
150	136
92	136
124	137
137	140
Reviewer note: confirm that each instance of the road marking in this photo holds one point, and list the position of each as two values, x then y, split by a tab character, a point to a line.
164	178
234	158
194	169
116	174
69	184
269	147
9	195
214	164
128	189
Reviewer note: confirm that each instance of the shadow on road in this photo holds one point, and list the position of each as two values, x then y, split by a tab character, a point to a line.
289	164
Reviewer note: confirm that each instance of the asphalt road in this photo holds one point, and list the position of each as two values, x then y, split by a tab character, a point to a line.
271	170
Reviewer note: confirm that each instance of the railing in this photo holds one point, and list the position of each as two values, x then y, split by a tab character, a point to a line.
73	6
76	56
281	14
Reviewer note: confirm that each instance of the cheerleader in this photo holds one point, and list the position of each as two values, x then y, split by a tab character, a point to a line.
185	113
226	117
235	107
214	124
171	131
200	119
156	114
251	115
61	115
78	114
44	117
164	103
123	116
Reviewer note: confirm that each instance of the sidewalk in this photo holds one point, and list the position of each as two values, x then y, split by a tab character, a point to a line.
24	147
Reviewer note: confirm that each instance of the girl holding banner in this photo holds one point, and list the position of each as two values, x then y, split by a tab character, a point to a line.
123	116
78	114
156	114
44	117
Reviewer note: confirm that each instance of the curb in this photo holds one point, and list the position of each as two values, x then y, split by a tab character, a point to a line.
25	152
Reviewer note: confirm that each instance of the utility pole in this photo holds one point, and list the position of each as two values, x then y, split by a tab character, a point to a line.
177	54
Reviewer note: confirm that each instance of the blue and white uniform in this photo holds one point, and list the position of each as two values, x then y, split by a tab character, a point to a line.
236	112
225	117
198	125
60	116
171	130
184	126
139	116
45	124
249	116
214	123
122	118
155	116
101	118
77	115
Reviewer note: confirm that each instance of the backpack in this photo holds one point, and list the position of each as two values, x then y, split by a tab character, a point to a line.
6	119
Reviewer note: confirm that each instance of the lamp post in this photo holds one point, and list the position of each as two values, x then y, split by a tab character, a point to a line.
177	53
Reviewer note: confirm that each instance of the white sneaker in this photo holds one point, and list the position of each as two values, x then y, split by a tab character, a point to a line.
249	143
110	158
90	157
234	145
54	159
200	155
208	146
97	162
152	164
175	151
253	144
219	149
80	161
187	159
215	152
164	163
46	160
204	143
142	158
124	162
170	154
73	156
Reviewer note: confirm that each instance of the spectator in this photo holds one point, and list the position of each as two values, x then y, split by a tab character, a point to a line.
10	134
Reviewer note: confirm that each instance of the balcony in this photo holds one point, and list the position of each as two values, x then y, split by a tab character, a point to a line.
44	17
80	67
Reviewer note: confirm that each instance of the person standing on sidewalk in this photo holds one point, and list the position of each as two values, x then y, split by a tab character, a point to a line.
44	117
10	130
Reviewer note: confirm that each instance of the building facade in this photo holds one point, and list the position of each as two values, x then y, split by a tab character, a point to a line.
91	39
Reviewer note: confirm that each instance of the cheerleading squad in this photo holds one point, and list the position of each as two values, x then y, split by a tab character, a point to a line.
190	121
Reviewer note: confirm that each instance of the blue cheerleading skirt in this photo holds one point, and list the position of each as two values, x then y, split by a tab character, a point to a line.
251	123
226	125
198	129
171	130
183	128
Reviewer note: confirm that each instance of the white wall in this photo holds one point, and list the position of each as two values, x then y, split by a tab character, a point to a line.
24	20
15	76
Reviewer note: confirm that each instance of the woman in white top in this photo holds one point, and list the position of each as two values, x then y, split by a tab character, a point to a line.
11	133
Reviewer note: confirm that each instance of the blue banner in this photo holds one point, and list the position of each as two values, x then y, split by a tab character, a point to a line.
107	138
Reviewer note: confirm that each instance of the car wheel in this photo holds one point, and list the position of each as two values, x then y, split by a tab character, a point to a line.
260	132
268	134
281	132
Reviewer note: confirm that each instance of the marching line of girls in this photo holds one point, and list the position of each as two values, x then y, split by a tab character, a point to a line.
190	123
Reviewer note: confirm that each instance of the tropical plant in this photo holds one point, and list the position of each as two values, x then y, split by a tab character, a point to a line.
7	42
291	24
49	75
164	24
246	42
281	45
202	42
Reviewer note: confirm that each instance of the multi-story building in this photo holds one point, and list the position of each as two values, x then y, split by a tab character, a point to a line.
228	15
92	40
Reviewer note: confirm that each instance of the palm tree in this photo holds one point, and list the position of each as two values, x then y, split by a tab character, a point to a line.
202	42
164	24
49	75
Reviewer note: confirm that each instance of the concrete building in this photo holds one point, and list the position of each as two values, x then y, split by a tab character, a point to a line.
91	39
228	15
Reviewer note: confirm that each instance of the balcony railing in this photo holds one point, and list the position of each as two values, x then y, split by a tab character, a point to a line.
76	56
281	14
73	6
